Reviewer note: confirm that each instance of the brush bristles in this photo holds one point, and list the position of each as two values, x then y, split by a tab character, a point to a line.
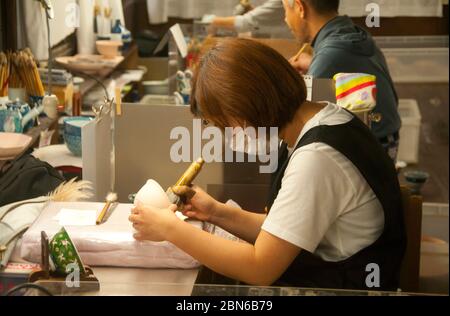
72	191
19	69
111	197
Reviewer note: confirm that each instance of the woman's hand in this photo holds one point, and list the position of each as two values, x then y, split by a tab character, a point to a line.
301	63
198	204
152	223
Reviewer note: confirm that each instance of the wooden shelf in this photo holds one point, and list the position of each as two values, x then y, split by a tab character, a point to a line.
129	62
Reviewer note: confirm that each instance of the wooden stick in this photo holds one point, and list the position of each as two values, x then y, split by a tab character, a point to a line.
302	50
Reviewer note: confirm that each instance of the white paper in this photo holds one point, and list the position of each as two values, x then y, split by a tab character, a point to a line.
58	156
179	39
72	217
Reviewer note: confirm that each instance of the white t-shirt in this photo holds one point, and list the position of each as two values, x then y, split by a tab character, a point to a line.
324	205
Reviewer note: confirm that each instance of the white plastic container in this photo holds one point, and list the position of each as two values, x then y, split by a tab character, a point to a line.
419	65
410	131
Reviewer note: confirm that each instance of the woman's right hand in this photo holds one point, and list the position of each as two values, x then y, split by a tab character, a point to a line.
197	204
301	63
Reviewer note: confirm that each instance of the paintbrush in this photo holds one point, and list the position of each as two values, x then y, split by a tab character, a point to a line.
302	50
111	198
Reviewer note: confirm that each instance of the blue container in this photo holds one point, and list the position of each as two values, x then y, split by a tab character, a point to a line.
416	180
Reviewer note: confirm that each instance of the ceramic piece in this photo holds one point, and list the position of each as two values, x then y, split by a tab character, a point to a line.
89	64
152	194
416	180
64	253
108	49
12	144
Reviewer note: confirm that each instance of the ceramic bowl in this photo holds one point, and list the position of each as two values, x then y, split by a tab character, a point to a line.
152	194
64	253
89	64
72	133
12	144
416	180
108	49
74	124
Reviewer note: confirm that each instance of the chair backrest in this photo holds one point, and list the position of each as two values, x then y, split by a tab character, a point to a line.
410	270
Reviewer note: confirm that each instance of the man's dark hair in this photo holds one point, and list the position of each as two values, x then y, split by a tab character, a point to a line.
324	6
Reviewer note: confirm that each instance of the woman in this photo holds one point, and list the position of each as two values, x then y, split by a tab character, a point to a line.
335	206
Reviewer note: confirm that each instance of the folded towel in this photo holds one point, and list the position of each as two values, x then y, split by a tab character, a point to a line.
356	91
109	244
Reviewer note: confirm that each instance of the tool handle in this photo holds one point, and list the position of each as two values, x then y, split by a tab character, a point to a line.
103	213
301	51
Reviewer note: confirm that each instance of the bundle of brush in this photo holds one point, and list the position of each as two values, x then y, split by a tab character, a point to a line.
25	66
14	80
4	75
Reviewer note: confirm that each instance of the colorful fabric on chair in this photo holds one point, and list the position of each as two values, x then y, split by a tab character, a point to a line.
356	91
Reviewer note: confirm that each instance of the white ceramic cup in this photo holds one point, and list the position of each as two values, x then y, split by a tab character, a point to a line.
152	194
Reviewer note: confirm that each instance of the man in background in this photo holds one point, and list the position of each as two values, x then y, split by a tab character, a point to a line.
342	47
265	19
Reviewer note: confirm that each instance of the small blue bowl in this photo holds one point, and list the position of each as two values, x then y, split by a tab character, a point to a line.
73	125
72	133
416	180
416	176
74	144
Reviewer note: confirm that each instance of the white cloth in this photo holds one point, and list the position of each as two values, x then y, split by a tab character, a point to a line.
324	205
85	33
32	27
109	244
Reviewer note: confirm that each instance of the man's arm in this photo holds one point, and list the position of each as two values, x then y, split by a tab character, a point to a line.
224	22
269	13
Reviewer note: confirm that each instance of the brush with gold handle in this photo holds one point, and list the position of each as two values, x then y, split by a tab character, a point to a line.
111	198
185	180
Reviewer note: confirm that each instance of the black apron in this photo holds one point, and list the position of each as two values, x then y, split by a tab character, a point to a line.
356	142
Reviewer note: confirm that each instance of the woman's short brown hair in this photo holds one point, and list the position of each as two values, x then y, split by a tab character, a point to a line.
242	80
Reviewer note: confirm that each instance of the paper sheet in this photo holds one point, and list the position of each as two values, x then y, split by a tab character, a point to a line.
179	39
309	85
73	217
58	156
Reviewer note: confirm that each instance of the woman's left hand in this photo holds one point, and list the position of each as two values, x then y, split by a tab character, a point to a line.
152	223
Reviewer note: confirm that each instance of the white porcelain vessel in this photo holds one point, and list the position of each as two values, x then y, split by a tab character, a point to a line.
152	194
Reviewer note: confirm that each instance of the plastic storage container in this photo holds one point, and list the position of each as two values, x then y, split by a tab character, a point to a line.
410	132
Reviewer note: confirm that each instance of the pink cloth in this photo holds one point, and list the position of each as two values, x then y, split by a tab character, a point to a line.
109	244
